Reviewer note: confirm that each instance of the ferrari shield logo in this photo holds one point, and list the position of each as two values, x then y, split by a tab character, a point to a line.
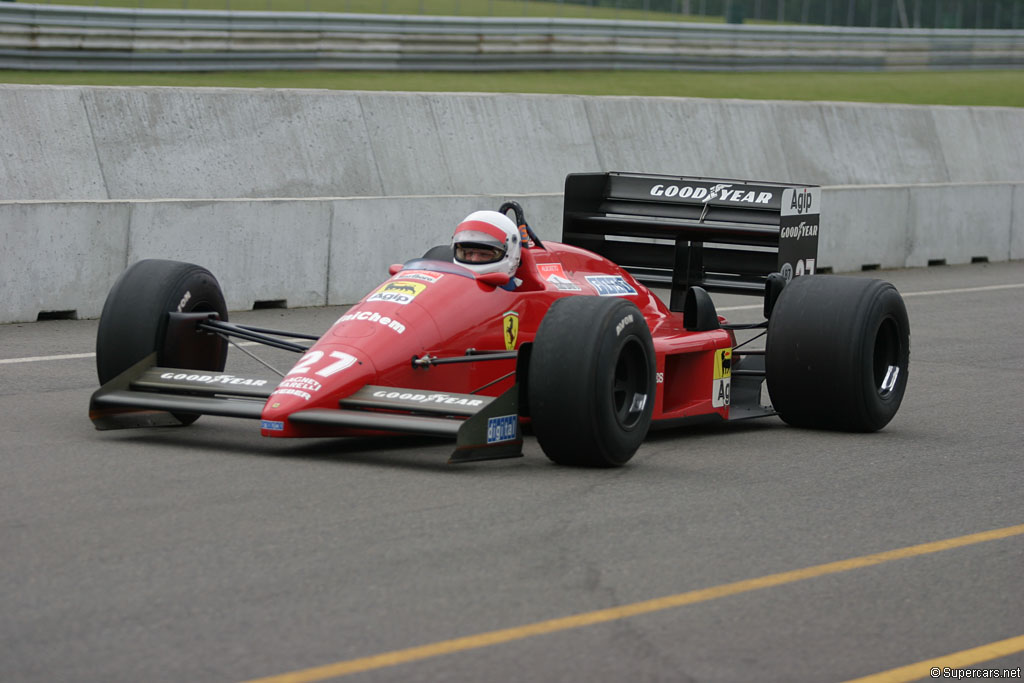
510	326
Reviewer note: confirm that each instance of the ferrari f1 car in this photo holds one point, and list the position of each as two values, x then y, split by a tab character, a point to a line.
580	350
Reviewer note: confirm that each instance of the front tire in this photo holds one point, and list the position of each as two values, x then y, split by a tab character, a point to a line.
591	381
838	353
134	320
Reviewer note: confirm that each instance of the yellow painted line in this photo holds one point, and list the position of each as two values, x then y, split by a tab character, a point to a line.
444	647
957	660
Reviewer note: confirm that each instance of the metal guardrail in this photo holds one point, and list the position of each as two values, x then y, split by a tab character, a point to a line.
54	37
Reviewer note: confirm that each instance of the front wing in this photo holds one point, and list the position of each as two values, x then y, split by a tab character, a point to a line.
484	427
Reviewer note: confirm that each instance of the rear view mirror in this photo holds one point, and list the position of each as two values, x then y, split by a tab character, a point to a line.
493	279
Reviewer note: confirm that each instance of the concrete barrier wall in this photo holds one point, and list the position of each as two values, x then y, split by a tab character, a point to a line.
64	256
94	178
60	256
69	142
917	225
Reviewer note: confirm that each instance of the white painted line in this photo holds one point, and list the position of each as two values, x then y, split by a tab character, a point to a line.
751	307
989	288
72	356
36	359
933	292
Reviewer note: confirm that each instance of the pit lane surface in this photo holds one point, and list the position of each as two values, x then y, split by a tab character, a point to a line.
211	554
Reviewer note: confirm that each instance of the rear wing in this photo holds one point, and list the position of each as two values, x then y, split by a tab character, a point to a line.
680	231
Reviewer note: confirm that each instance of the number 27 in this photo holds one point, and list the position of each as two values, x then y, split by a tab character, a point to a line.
343	360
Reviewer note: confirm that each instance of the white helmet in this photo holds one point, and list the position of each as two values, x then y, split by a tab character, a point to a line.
487	242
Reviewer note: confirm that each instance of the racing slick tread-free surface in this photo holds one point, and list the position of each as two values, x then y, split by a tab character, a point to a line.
837	353
134	318
591	381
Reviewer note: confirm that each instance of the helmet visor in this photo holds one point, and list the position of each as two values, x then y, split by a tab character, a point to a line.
477	252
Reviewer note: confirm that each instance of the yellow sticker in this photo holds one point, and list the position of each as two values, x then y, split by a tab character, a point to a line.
510	326
723	363
398	291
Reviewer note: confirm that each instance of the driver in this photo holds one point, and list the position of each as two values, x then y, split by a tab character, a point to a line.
488	242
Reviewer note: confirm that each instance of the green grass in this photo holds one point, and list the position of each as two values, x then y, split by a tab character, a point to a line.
990	88
478	8
980	88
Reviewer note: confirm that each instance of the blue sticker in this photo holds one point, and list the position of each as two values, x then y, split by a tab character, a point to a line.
272	425
501	428
611	285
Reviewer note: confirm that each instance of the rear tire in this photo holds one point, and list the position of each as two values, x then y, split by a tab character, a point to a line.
838	353
591	381
134	320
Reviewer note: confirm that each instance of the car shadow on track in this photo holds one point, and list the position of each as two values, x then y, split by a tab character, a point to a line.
214	438
714	429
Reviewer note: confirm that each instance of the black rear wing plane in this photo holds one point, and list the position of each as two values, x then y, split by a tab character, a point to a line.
680	231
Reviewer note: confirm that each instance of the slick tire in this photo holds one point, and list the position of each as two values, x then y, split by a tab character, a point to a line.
591	381
838	353
134	319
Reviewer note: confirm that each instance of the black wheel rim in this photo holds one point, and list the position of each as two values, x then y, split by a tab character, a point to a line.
630	384
886	358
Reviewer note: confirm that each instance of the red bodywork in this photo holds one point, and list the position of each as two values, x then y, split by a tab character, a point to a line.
441	309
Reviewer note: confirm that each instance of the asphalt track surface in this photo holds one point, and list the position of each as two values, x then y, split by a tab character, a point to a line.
743	552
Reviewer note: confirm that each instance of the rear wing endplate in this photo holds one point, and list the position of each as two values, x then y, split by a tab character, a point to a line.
680	231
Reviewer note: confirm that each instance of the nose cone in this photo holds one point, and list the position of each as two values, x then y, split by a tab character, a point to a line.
391	325
326	373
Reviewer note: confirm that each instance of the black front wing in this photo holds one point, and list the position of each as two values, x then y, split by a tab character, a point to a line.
484	427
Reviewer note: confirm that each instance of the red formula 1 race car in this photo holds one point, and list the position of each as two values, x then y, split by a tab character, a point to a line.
573	343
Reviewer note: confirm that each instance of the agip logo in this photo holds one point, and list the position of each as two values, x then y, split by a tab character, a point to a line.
801	201
398	292
722	383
